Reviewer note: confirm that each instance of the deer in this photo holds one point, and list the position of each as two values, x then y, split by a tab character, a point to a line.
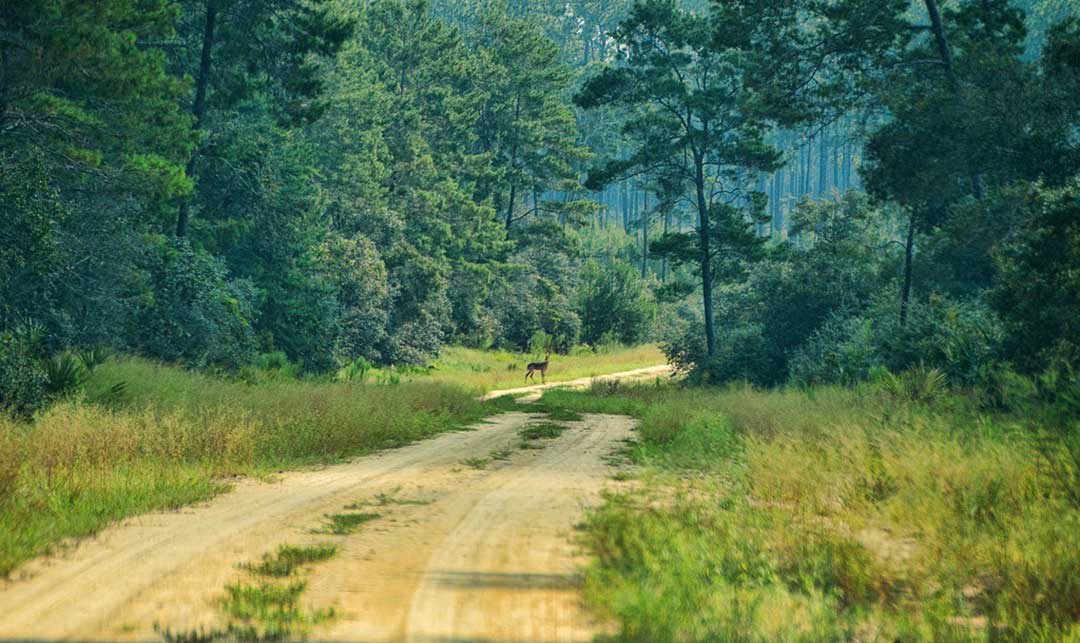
538	366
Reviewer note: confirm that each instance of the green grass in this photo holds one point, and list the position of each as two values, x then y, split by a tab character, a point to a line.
476	463
344	524
269	611
175	435
288	560
542	431
490	370
387	499
833	514
501	454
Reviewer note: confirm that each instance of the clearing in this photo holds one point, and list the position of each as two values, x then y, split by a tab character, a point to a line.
458	552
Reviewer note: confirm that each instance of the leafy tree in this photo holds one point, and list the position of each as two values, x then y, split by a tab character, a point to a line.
525	124
189	311
613	302
1037	292
240	49
92	145
693	121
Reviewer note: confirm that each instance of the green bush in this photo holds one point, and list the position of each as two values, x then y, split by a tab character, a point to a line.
64	375
842	351
22	382
190	311
613	302
1037	291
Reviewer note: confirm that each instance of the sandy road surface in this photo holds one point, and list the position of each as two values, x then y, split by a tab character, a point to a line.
584	382
487	557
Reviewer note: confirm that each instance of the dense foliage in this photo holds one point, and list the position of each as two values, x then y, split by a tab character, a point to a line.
959	255
798	190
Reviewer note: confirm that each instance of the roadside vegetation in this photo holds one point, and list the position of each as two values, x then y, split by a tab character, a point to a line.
126	435
881	512
144	437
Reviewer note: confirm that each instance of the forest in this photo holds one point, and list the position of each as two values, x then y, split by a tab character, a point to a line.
796	191
348	217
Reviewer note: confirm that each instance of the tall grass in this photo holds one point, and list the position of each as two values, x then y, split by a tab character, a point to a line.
167	437
833	514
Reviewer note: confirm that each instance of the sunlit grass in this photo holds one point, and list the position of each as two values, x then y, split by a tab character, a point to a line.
490	370
175	434
289	559
830	514
344	524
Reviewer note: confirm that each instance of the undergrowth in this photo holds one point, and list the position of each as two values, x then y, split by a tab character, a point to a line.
835	514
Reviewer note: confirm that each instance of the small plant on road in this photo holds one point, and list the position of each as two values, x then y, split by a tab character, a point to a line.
476	463
542	431
344	524
289	559
269	611
386	499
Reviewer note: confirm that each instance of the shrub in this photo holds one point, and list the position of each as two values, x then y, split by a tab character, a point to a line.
842	351
22	382
190	311
1037	292
614	302
91	358
740	354
961	338
64	375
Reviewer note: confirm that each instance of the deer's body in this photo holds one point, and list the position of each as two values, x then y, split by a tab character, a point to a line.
532	368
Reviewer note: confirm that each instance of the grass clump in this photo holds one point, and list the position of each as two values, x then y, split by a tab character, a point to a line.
386	499
542	431
270	611
833	514
289	559
476	463
345	524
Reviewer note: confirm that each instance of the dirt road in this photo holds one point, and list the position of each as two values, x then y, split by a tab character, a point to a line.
647	373
458	554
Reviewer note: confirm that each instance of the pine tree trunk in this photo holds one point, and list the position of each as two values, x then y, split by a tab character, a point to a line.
645	238
847	166
777	195
510	207
909	251
706	254
198	109
663	264
823	166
